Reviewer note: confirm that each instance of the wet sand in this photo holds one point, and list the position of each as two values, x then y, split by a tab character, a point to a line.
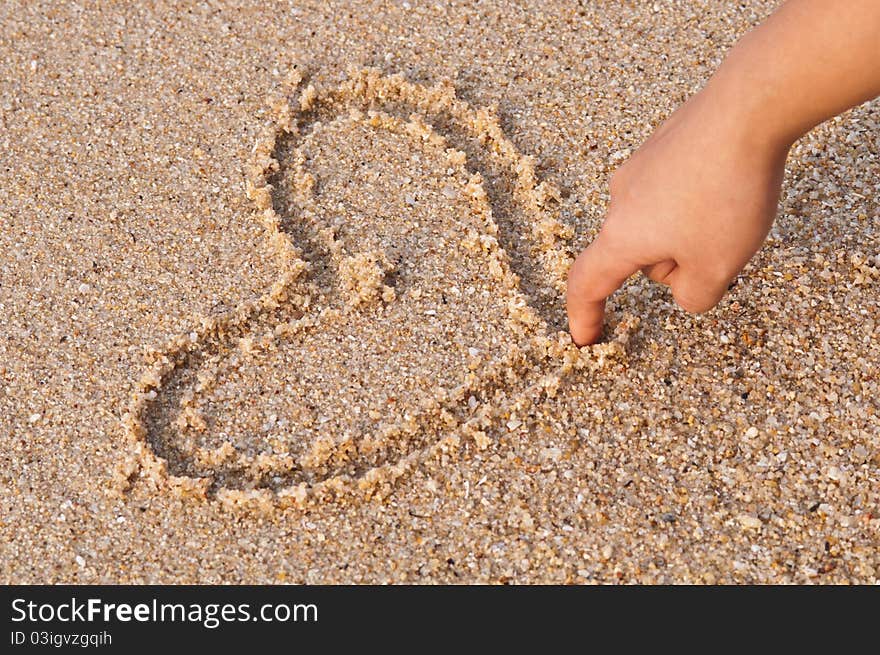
282	302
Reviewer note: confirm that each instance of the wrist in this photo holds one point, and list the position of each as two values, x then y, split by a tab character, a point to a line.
753	93
748	114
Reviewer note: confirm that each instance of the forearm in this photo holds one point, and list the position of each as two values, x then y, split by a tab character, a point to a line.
811	60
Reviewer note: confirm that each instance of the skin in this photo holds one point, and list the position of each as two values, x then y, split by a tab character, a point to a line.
693	205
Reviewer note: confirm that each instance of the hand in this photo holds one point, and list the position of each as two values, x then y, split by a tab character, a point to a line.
693	205
688	209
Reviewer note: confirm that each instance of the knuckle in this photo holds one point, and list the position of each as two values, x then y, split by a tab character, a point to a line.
702	288
693	305
720	276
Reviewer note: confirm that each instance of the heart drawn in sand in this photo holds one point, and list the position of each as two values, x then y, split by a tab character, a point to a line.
419	258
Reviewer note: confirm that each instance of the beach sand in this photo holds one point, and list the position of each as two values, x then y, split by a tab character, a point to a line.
281	301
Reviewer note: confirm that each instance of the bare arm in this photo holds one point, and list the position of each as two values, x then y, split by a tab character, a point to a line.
696	201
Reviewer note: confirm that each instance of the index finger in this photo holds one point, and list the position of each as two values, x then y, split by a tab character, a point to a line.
597	273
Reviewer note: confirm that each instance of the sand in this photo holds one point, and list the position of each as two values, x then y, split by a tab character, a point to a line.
282	302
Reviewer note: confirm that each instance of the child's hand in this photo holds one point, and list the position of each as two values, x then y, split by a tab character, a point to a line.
696	201
689	209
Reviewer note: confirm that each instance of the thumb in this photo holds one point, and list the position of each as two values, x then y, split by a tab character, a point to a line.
598	272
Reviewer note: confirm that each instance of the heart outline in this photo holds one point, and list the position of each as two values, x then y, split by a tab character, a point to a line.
368	87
